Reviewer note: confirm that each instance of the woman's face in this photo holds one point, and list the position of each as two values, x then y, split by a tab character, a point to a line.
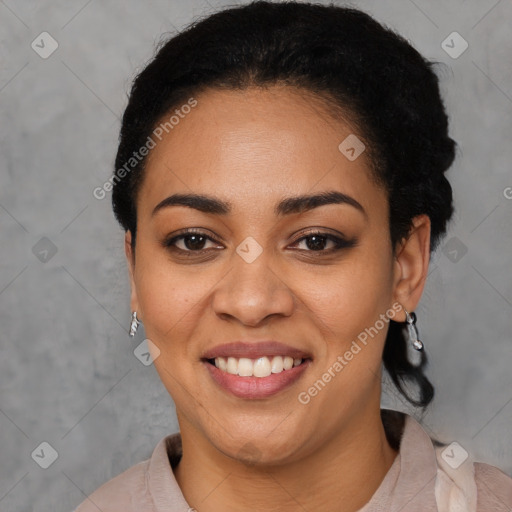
266	276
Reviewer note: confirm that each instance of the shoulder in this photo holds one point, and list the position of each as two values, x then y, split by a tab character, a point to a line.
494	488
460	482
474	485
122	493
142	485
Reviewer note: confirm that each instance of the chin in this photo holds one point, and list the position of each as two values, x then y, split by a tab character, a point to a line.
263	447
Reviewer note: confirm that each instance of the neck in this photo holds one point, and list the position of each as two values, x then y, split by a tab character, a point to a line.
343	474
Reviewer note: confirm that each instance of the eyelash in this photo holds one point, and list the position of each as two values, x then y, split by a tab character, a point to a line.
340	243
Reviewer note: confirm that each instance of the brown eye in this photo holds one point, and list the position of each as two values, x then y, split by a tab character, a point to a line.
194	242
322	242
190	241
316	242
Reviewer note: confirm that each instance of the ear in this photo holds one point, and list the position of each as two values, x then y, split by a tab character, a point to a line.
130	259
412	257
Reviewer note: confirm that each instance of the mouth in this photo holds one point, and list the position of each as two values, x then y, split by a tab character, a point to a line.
259	368
255	370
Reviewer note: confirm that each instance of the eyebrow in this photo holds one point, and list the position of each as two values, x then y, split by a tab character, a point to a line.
287	206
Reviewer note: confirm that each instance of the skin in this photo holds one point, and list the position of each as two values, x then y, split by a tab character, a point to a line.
253	148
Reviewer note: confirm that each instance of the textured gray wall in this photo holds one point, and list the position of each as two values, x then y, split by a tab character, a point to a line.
68	374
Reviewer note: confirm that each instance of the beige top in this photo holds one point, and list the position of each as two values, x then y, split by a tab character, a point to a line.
417	481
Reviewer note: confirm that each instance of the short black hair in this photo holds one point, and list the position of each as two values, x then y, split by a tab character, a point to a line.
388	90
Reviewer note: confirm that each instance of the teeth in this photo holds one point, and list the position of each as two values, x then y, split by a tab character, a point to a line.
261	367
231	367
277	364
245	367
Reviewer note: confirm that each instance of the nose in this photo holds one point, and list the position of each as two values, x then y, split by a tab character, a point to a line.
252	292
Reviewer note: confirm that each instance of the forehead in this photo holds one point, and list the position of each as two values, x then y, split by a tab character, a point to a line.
255	144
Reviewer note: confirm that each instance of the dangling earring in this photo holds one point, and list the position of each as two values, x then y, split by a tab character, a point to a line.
134	324
413	331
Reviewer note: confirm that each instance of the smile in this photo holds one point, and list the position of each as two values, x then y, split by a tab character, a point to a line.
261	367
255	370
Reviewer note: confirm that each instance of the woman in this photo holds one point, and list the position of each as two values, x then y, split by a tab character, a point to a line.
280	180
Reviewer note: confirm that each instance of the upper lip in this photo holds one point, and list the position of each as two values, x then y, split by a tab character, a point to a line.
254	350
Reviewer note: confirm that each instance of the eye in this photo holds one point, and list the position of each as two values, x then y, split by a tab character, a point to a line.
318	241
195	241
191	241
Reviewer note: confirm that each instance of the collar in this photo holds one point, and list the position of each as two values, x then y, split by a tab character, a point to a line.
410	482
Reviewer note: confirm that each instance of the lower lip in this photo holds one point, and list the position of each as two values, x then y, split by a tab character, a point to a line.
256	387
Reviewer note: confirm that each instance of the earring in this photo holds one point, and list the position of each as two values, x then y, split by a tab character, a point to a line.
413	330
134	324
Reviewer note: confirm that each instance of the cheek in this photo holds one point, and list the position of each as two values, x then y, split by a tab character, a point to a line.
169	299
353	296
347	308
170	302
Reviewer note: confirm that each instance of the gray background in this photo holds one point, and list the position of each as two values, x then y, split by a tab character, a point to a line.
68	374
